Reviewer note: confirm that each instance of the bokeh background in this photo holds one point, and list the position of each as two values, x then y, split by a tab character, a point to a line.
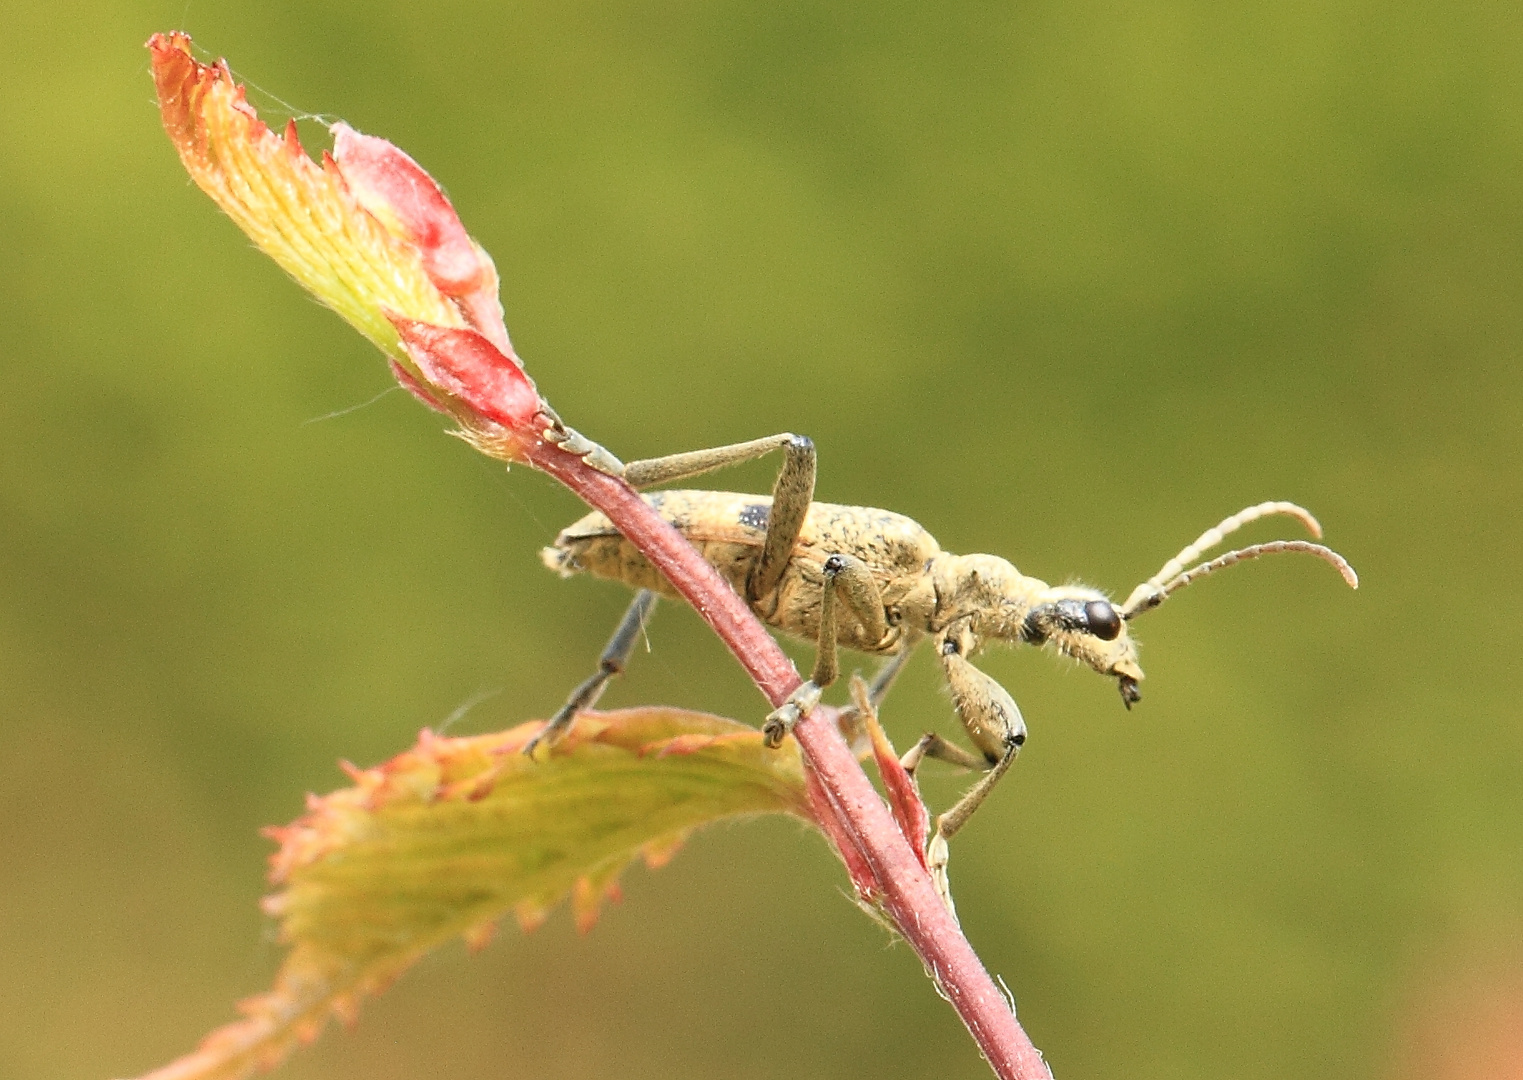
1065	282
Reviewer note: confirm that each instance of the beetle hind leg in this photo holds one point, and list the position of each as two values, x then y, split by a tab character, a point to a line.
791	494
685	466
613	661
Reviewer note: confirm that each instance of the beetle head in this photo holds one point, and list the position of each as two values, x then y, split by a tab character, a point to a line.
1081	623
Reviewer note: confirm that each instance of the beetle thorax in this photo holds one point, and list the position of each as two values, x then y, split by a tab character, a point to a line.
987	591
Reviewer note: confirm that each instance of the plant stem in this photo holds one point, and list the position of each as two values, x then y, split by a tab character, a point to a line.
906	890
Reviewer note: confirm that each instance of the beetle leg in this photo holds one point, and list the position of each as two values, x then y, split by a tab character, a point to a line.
791	494
849	577
991	717
851	716
947	824
933	745
664	470
986	709
883	681
613	661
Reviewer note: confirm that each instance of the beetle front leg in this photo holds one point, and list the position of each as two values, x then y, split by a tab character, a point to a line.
932	745
986	709
948	823
991	717
849	577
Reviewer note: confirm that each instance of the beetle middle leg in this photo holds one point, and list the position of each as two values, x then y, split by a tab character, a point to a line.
613	661
848	577
884	677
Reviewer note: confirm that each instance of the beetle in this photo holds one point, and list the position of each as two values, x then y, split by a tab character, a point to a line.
877	582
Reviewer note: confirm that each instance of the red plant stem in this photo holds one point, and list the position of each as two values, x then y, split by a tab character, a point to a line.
906	889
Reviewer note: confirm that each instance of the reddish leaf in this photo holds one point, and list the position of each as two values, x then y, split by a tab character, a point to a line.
367	231
299	213
396	189
473	370
909	811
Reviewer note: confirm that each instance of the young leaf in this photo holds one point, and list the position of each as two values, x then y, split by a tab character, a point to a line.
302	214
446	838
367	231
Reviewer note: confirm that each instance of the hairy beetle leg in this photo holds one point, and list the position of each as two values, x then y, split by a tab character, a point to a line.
933	745
937	851
578	445
883	680
992	720
684	466
954	819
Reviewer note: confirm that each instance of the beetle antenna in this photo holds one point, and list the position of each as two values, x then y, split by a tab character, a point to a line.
1149	595
1213	536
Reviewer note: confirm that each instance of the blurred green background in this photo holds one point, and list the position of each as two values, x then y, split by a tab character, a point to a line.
1065	282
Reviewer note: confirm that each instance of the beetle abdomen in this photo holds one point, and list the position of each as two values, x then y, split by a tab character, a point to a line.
727	529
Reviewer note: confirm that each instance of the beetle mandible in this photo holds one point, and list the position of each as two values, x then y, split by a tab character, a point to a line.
877	582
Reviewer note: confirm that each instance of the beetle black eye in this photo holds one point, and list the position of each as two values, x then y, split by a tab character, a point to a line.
1103	621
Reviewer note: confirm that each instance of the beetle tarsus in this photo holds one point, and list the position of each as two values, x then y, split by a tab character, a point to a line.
782	720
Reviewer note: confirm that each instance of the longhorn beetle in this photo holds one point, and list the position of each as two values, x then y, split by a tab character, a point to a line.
877	582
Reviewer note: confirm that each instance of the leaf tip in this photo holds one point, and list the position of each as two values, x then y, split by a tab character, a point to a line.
662	850
478	937
531	915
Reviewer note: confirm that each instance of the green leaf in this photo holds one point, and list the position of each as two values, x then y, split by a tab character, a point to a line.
445	838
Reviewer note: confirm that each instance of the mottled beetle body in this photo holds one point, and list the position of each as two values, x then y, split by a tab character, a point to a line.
729	530
877	582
